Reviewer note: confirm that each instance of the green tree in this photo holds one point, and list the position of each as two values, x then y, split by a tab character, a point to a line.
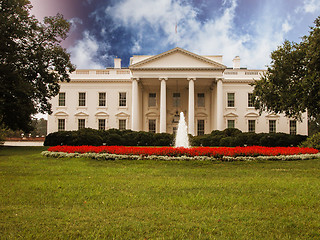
292	83
32	63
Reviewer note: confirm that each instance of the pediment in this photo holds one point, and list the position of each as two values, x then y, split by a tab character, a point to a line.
122	114
231	115
252	114
81	114
177	58
102	114
152	114
61	114
201	114
272	115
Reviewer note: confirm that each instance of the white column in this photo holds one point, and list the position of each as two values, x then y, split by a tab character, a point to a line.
191	106
219	105
163	105
135	105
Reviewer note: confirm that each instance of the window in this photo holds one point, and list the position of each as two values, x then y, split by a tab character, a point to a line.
81	123
62	99
152	100
251	125
230	123
152	125
61	125
176	99
200	99
272	126
250	100
230	99
122	99
122	124
82	99
200	127
174	130
102	124
293	127
102	99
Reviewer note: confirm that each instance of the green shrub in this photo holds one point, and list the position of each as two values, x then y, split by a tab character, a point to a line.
226	141
163	139
227	137
230	132
88	136
312	142
234	137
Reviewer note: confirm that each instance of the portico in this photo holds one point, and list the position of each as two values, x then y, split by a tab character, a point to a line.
174	78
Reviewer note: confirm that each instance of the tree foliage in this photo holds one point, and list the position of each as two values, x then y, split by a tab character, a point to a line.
32	63
292	83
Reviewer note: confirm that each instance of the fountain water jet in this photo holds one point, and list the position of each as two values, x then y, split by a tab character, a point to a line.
182	139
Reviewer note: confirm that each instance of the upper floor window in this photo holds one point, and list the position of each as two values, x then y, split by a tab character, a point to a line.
62	99
82	99
293	127
81	123
251	125
200	127
272	126
122	99
152	100
102	99
230	99
231	123
152	125
176	99
200	99
61	125
250	100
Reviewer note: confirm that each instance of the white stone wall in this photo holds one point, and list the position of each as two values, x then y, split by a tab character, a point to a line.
176	66
92	111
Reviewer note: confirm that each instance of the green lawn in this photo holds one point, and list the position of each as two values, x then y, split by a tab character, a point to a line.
47	198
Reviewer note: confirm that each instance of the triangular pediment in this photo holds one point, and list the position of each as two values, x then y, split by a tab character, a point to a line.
177	58
231	115
81	114
122	114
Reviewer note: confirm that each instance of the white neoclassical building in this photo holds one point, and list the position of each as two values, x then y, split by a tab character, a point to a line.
153	90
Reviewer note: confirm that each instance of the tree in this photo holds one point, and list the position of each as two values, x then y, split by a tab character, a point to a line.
292	83
32	63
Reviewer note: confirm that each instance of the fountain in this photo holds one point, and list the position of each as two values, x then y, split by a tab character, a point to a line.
182	139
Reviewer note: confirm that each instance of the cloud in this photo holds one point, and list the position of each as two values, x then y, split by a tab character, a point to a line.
311	6
74	23
153	27
86	53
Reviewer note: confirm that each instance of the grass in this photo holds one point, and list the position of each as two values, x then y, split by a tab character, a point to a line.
47	198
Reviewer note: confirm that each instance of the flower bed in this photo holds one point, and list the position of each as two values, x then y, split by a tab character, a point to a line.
170	153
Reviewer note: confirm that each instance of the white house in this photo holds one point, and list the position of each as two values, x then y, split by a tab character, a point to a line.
150	94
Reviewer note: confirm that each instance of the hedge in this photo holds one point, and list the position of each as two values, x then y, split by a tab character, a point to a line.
234	137
226	138
93	137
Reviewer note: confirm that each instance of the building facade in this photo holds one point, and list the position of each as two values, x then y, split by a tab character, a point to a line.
153	90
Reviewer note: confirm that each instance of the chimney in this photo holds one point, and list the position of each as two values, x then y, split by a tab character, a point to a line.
117	62
236	62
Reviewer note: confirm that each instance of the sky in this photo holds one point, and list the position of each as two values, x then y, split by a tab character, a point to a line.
251	29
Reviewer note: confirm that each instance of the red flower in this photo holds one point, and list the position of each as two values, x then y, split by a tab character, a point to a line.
190	152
